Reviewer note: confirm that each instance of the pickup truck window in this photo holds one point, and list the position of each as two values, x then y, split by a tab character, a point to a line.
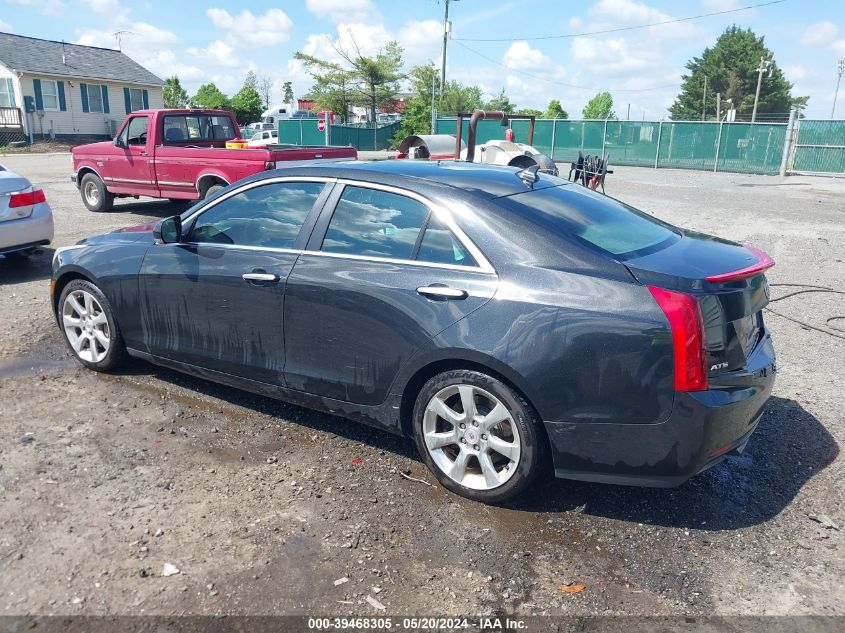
197	127
269	216
136	132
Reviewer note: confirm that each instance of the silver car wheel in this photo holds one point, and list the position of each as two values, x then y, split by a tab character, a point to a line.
86	326
92	193
472	437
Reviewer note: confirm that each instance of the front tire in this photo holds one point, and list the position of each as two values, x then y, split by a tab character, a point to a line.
477	435
89	327
95	196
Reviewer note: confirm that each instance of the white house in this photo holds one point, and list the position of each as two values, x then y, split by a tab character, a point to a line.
68	90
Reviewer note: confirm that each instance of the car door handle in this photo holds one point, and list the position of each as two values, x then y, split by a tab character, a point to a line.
260	277
442	292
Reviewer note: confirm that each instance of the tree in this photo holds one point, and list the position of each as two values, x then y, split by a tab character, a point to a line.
599	107
265	89
501	102
370	81
416	118
460	98
251	80
556	111
530	112
287	93
209	96
175	95
246	105
730	67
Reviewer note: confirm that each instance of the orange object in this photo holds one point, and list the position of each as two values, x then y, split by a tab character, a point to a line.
576	587
237	144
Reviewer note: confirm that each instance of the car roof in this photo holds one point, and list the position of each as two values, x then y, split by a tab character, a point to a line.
488	181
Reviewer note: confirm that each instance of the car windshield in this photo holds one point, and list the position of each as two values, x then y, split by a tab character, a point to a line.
608	224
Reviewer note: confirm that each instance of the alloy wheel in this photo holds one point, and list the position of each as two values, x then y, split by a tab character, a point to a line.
471	436
86	326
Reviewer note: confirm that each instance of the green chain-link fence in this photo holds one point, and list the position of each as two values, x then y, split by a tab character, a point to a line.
744	147
362	138
820	147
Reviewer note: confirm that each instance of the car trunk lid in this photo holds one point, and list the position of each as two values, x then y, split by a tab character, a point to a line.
11	183
727	280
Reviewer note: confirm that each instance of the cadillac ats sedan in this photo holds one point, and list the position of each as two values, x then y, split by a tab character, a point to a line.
504	319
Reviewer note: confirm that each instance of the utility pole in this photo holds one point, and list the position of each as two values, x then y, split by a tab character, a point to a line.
836	94
765	64
718	106
628	116
704	98
445	41
433	111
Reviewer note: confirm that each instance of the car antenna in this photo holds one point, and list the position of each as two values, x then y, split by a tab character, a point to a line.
529	175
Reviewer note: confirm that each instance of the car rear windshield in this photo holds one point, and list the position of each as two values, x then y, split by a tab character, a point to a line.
608	224
179	128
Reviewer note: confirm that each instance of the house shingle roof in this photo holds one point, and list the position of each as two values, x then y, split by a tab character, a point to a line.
31	55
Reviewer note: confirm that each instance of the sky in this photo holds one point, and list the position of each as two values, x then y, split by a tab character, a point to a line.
221	40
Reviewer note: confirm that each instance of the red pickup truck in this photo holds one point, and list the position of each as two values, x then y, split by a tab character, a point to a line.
177	154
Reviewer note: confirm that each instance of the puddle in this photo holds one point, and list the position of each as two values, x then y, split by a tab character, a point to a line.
33	365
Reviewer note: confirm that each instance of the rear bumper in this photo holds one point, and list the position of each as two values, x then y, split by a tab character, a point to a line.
704	427
23	233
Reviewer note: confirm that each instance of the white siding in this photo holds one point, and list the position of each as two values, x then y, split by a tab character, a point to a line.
73	120
6	73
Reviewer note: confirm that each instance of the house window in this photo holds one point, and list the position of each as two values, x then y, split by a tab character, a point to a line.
7	96
95	98
49	94
136	99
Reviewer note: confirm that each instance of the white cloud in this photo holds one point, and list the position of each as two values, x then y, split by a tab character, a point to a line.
521	56
5	26
819	34
218	52
341	10
613	56
46	7
629	12
422	41
248	29
575	22
721	5
107	7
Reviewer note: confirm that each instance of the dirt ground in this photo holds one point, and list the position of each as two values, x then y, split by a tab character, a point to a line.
265	508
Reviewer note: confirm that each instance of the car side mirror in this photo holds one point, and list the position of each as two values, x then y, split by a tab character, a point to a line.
168	231
118	142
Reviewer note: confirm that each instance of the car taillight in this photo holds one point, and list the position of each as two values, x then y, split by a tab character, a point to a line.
27	198
687	326
764	262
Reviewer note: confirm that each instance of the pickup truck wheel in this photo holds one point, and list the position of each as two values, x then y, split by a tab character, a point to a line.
213	189
95	196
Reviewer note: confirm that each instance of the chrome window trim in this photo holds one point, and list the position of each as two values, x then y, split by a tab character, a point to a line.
483	264
232	247
401	262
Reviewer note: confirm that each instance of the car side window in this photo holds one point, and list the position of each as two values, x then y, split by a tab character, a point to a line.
269	216
136	131
375	223
440	246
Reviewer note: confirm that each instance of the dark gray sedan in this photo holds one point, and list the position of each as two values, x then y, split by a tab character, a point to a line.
504	319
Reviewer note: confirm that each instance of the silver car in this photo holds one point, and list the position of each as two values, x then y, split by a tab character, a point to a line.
26	220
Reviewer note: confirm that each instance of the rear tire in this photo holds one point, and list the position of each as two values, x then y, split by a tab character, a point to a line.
95	196
213	189
89	326
491	455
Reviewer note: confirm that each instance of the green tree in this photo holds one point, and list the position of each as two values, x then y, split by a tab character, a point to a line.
369	81
501	102
251	80
209	96
730	67
246	105
416	118
531	112
556	111
287	93
175	95
599	107
460	98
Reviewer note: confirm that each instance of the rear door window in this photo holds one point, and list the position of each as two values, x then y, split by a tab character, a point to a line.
440	246
605	223
375	223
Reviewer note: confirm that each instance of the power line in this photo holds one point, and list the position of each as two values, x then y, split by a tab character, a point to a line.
616	30
560	83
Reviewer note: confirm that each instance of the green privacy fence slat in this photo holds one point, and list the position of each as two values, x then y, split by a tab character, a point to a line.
742	147
306	132
820	147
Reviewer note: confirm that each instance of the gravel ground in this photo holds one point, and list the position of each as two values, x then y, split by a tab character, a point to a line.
266	508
